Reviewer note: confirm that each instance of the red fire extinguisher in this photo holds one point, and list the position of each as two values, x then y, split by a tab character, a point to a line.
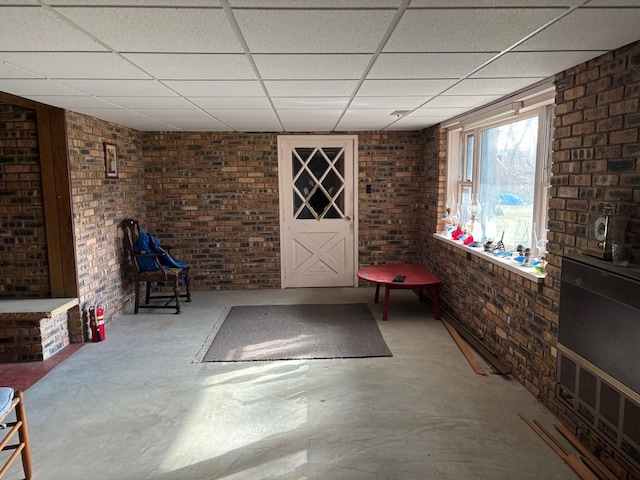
96	320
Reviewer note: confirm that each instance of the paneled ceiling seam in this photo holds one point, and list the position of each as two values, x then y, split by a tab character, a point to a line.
567	12
73	25
247	52
374	57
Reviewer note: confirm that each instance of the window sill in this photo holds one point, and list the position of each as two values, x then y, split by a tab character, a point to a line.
526	272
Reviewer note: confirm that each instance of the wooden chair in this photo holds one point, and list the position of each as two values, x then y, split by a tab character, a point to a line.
161	273
15	402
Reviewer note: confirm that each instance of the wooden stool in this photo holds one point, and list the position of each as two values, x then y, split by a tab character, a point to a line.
19	426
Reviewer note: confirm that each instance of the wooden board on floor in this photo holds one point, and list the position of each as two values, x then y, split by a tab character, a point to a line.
468	354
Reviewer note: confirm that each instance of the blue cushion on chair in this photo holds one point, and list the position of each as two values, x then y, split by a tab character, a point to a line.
149	244
6	395
144	245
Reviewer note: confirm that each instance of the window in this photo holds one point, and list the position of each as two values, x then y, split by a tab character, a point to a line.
502	160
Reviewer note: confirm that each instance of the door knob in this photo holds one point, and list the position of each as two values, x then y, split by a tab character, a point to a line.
348	217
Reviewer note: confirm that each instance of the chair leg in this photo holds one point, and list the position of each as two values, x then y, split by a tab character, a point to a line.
147	298
176	292
187	283
137	304
23	435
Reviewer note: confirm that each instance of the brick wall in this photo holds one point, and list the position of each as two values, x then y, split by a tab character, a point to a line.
99	204
596	161
392	163
24	267
216	196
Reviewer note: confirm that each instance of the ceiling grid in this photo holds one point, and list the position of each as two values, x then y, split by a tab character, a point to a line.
295	65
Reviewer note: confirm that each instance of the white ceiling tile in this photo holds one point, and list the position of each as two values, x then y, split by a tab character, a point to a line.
316	3
313	31
188	30
10	71
440	112
494	3
370	113
75	65
172	114
71	102
310	88
538	64
195	125
216	88
417	123
371	124
115	88
403	88
301	115
137	3
311	67
310	55
184	118
427	65
491	86
614	3
465	30
236	116
37	86
194	66
35	29
466	101
396	103
300	121
251	126
591	29
310	103
126	117
148	102
238	103
308	125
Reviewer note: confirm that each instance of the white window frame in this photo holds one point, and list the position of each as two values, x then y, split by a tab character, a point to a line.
538	100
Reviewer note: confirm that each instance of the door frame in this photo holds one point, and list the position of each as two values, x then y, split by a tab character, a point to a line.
284	195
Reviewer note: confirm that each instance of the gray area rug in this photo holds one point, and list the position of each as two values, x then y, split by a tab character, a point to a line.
288	332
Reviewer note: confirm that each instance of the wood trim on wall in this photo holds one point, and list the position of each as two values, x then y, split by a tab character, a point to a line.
56	190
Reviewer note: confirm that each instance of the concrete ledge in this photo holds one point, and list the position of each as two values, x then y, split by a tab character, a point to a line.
33	330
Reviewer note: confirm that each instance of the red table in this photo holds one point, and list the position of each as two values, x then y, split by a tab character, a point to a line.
417	278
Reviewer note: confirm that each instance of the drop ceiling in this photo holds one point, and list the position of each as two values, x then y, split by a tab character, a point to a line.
295	65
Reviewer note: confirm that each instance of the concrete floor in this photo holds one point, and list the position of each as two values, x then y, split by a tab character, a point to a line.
136	407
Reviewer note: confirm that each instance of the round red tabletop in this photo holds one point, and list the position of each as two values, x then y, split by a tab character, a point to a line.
415	274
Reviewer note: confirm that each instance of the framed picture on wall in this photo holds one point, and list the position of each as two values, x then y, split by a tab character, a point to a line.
111	160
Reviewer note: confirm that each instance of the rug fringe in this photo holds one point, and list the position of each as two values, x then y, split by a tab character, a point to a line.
214	331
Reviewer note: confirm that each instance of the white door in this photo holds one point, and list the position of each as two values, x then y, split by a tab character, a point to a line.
318	237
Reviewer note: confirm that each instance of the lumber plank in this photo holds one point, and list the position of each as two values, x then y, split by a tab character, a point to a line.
477	368
574	462
600	467
498	366
562	448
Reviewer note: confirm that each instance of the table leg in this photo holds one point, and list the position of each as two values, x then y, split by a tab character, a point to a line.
385	305
377	292
435	290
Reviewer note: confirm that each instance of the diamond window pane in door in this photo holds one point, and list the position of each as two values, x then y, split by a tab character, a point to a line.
332	212
318	182
332	183
305	184
300	157
305	214
318	165
319	202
